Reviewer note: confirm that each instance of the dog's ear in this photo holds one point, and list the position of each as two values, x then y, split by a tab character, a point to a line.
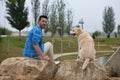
78	31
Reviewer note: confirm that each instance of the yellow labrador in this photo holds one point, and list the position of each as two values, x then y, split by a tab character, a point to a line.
86	50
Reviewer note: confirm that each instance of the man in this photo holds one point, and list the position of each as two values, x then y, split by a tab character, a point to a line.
34	46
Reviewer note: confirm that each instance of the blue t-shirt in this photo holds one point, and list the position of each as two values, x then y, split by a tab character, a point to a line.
34	36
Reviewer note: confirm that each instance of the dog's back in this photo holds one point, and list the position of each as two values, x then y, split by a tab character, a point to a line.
86	44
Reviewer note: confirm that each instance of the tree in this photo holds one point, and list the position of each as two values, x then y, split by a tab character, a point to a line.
61	20
115	33
118	29
35	10
69	21
109	21
61	16
69	24
45	11
53	21
17	14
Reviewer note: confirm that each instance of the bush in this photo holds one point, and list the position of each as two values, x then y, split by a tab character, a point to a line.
0	39
96	34
4	31
115	34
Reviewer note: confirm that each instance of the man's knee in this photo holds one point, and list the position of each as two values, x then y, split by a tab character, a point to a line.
49	44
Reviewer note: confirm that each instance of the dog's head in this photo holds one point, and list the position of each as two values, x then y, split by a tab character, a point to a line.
76	31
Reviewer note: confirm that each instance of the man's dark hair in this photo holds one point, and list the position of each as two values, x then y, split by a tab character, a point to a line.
42	16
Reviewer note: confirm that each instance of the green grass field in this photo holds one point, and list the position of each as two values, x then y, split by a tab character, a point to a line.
12	47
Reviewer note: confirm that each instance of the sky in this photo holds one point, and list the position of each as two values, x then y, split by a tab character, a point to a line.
91	11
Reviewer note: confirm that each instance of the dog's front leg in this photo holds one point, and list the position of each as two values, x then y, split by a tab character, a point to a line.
78	56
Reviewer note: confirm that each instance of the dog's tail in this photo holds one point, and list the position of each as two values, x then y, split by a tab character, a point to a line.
86	62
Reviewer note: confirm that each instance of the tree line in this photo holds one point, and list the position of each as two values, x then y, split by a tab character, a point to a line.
108	23
60	18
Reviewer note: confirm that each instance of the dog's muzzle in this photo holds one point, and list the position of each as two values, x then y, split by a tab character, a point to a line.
72	33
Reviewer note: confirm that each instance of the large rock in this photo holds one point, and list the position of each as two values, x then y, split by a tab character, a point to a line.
113	64
71	70
21	68
114	78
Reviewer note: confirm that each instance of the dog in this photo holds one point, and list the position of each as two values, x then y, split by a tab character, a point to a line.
86	49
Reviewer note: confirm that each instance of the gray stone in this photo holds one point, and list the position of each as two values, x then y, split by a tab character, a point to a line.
71	70
21	68
115	78
113	64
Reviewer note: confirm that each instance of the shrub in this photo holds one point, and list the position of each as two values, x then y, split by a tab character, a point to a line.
96	34
0	39
4	31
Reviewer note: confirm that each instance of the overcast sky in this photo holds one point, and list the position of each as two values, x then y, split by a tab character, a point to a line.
90	10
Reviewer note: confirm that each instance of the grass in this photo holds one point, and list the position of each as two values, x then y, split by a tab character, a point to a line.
69	57
11	46
66	48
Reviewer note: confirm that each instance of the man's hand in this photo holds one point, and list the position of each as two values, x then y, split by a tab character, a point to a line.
42	56
47	58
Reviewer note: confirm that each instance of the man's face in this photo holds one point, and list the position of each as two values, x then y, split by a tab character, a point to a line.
43	23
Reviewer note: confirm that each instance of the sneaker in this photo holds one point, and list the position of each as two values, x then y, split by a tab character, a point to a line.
57	62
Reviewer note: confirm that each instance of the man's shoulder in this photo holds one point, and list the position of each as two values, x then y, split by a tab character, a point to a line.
36	29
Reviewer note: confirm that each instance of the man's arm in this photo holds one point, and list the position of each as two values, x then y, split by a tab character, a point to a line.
43	56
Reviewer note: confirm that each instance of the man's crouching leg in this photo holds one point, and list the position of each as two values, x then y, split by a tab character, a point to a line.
48	49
